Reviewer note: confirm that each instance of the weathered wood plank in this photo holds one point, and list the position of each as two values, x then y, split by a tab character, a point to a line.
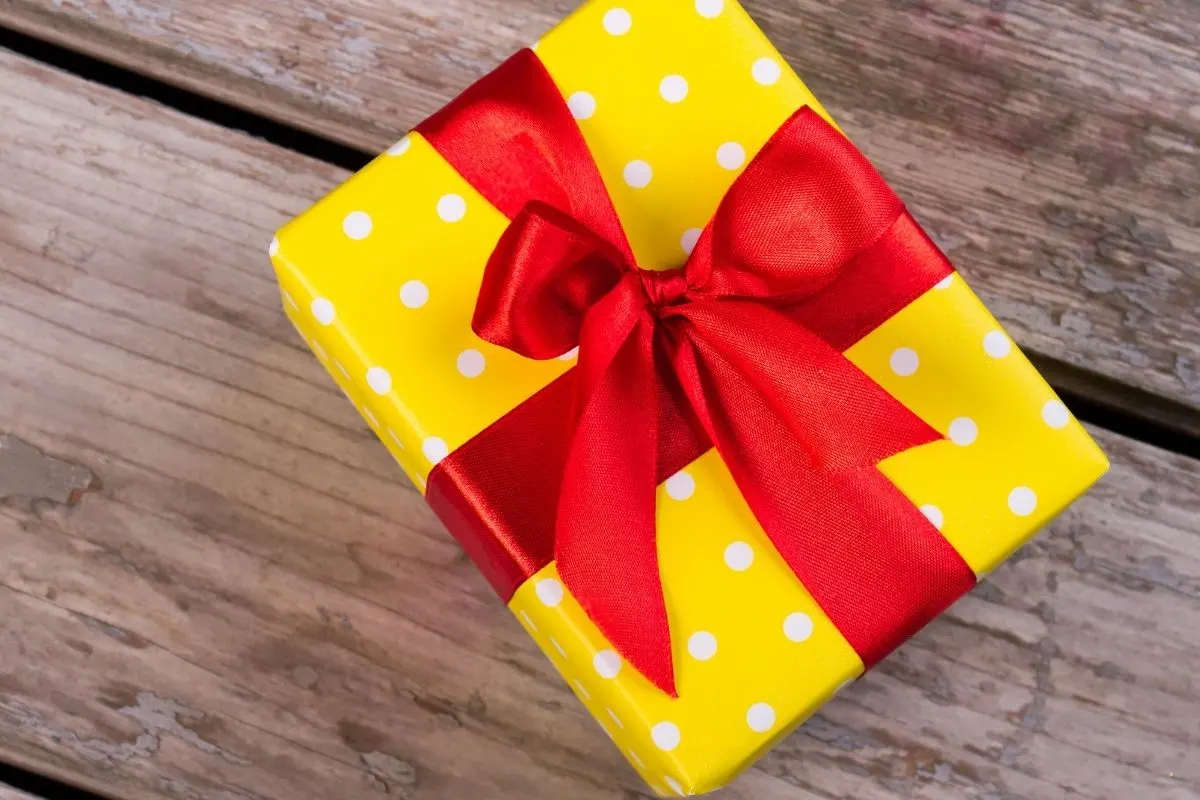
1052	147
216	585
9	793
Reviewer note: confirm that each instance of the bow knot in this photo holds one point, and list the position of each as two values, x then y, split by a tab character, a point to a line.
664	288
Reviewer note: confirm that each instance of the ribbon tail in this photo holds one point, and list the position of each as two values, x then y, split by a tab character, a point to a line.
606	546
869	557
843	418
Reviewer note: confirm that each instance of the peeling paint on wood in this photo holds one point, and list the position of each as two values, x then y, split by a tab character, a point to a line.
391	775
28	474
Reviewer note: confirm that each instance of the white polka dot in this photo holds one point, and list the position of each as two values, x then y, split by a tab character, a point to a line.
945	283
636	759
570	355
681	486
549	591
666	737
471	363
798	627
964	431
673	88
739	556
767	71
702	646
583	692
380	380
401	147
558	647
997	344
905	362
710	9
934	515
452	208
674	785
638	174
1056	415
731	155
618	22
435	449
690	237
273	250
322	309
414	294
760	717
582	105
616	720
532	625
357	225
1022	501
607	664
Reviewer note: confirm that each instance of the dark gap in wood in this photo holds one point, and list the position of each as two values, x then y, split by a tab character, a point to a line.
185	101
41	786
1127	410
1093	398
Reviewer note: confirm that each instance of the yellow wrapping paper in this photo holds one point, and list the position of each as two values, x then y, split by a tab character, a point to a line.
674	97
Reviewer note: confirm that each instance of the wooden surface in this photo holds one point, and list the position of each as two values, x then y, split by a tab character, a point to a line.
1051	146
214	584
9	793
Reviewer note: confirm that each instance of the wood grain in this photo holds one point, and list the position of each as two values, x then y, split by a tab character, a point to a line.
9	793
1051	146
218	586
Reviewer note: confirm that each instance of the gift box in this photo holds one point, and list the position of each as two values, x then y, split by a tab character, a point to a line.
718	421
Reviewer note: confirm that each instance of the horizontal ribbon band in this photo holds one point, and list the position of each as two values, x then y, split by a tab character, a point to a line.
740	349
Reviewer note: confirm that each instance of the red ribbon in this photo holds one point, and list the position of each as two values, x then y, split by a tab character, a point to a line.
739	349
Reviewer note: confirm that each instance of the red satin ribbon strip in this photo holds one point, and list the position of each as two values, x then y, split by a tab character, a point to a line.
512	137
740	349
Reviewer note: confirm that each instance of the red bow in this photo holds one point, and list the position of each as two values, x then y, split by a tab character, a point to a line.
715	352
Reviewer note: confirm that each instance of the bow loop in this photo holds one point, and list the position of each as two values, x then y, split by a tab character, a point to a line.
546	272
803	208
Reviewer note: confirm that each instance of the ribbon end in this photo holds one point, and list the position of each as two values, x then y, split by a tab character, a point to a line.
661	674
643	642
633	618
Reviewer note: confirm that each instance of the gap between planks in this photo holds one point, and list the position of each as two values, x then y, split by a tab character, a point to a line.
19	783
